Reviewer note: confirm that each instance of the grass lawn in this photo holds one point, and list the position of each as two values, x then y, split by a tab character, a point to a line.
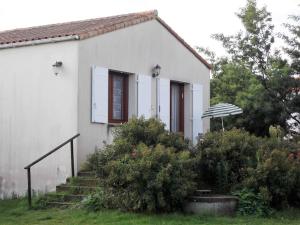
16	212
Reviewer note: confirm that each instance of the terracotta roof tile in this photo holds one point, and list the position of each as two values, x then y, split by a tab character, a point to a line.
84	28
87	28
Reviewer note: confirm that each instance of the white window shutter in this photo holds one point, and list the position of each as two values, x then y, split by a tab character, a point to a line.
144	96
99	95
197	111
164	101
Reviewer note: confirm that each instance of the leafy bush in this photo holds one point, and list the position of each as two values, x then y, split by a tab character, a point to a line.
126	137
95	201
252	203
153	180
139	130
235	159
149	169
277	171
174	140
41	202
146	168
279	175
223	158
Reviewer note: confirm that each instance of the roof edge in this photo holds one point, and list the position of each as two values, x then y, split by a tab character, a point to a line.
39	42
147	16
180	39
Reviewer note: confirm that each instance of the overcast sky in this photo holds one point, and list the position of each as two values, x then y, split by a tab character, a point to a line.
193	20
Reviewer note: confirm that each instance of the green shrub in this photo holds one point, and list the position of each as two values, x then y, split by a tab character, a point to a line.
146	168
252	203
279	175
174	140
41	202
140	130
234	160
149	169
95	201
268	145
126	137
224	157
153	180
101	157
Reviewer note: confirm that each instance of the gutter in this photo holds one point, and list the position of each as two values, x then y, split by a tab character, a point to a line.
39	42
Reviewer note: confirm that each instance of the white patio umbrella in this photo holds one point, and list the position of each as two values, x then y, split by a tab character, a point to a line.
222	110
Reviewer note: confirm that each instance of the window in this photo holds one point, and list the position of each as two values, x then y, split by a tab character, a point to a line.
117	97
177	107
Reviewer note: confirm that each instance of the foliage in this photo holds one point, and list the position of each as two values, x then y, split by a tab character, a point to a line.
223	158
234	159
252	203
146	168
41	202
254	76
235	84
279	175
140	130
292	49
126	137
95	201
292	39
157	176
252	46
153	180
174	140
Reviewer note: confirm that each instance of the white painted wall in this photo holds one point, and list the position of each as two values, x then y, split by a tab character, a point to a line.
136	50
38	111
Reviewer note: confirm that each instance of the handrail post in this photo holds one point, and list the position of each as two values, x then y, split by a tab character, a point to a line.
28	167
72	158
29	186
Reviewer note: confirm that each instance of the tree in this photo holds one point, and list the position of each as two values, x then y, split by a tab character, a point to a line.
293	41
268	89
292	49
236	84
253	46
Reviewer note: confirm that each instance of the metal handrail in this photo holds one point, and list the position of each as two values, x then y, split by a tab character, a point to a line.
46	155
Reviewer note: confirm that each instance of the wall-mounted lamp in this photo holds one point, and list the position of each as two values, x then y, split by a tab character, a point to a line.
156	70
57	67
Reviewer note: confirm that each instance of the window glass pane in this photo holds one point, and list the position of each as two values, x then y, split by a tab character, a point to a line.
175	110
117	97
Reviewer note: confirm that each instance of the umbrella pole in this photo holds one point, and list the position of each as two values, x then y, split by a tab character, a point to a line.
222	124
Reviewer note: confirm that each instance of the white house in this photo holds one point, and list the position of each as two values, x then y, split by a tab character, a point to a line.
87	77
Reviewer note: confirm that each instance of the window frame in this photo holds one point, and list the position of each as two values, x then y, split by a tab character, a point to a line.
124	112
181	106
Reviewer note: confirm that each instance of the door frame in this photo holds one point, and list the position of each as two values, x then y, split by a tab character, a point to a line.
181	105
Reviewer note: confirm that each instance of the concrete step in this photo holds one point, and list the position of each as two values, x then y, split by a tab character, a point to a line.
62	197
86	174
75	190
60	204
202	192
83	181
212	198
86	181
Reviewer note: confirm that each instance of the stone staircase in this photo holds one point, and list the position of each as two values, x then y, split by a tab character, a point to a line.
74	191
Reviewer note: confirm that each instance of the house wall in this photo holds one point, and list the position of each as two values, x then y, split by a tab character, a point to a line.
38	111
135	49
